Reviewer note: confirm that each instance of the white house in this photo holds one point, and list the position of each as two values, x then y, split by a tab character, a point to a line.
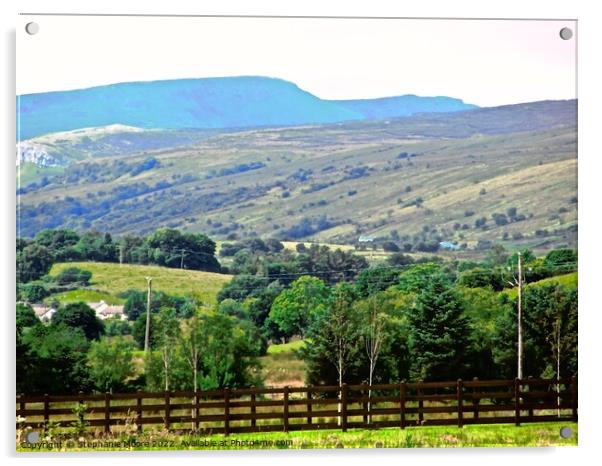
104	310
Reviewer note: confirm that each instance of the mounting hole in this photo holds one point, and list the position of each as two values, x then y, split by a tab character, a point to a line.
32	28
566	33
566	432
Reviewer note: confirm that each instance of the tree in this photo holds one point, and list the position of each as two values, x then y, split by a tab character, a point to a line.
481	278
415	278
336	331
399	259
171	248
439	332
32	292
373	335
390	246
375	279
33	261
167	330
111	364
52	359
97	246
25	316
79	315
193	341
60	243
561	258
295	308
73	275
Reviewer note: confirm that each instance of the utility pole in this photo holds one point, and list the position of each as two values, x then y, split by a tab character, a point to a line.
182	259
149	282
121	253
520	317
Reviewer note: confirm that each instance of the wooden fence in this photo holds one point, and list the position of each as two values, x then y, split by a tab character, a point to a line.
314	407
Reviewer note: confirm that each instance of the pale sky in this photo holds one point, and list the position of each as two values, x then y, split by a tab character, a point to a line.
482	62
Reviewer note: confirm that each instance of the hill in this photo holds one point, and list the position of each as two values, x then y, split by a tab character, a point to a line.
229	102
108	280
410	180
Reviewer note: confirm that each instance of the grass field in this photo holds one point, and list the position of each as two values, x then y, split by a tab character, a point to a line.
569	280
282	366
108	280
503	435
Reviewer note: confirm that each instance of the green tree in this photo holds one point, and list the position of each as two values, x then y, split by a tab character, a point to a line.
562	258
375	279
167	331
52	359
295	308
73	275
482	278
415	278
60	243
79	315
111	364
33	261
32	292
439	332
335	334
25	316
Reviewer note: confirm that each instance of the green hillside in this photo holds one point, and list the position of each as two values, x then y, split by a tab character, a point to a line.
569	280
395	178
108	280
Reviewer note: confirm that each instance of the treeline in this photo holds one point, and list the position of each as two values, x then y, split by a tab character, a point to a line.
166	247
428	320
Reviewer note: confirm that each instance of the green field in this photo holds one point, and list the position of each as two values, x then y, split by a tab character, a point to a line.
282	365
109	279
503	435
569	280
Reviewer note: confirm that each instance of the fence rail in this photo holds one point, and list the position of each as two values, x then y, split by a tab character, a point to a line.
311	408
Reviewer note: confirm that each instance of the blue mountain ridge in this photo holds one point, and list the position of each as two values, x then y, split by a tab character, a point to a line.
229	102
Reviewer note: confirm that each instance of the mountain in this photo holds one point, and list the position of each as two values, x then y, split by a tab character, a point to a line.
405	105
230	102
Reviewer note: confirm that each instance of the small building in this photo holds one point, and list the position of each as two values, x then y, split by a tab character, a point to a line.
43	312
104	311
365	239
449	246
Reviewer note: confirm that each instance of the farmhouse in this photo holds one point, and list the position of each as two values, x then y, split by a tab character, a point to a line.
43	312
104	310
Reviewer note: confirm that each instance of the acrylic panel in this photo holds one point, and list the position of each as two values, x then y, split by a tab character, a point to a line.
294	232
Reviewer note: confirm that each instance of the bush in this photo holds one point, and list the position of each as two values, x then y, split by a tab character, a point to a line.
390	246
73	275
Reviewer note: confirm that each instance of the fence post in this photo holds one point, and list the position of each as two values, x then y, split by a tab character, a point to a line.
197	410
402	405
366	406
46	409
420	405
529	398
167	410
309	406
459	388
226	411
139	410
285	409
21	406
344	390
475	399
517	401
574	397
107	412
253	410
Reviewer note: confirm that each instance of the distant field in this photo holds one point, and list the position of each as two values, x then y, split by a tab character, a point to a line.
110	279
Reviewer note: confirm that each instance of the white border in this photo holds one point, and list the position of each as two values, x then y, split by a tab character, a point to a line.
590	156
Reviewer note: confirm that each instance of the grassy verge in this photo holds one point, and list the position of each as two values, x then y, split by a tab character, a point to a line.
282	366
503	435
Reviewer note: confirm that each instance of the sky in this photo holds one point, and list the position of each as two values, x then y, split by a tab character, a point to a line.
483	62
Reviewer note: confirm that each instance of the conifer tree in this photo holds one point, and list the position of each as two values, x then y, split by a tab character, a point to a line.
439	333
